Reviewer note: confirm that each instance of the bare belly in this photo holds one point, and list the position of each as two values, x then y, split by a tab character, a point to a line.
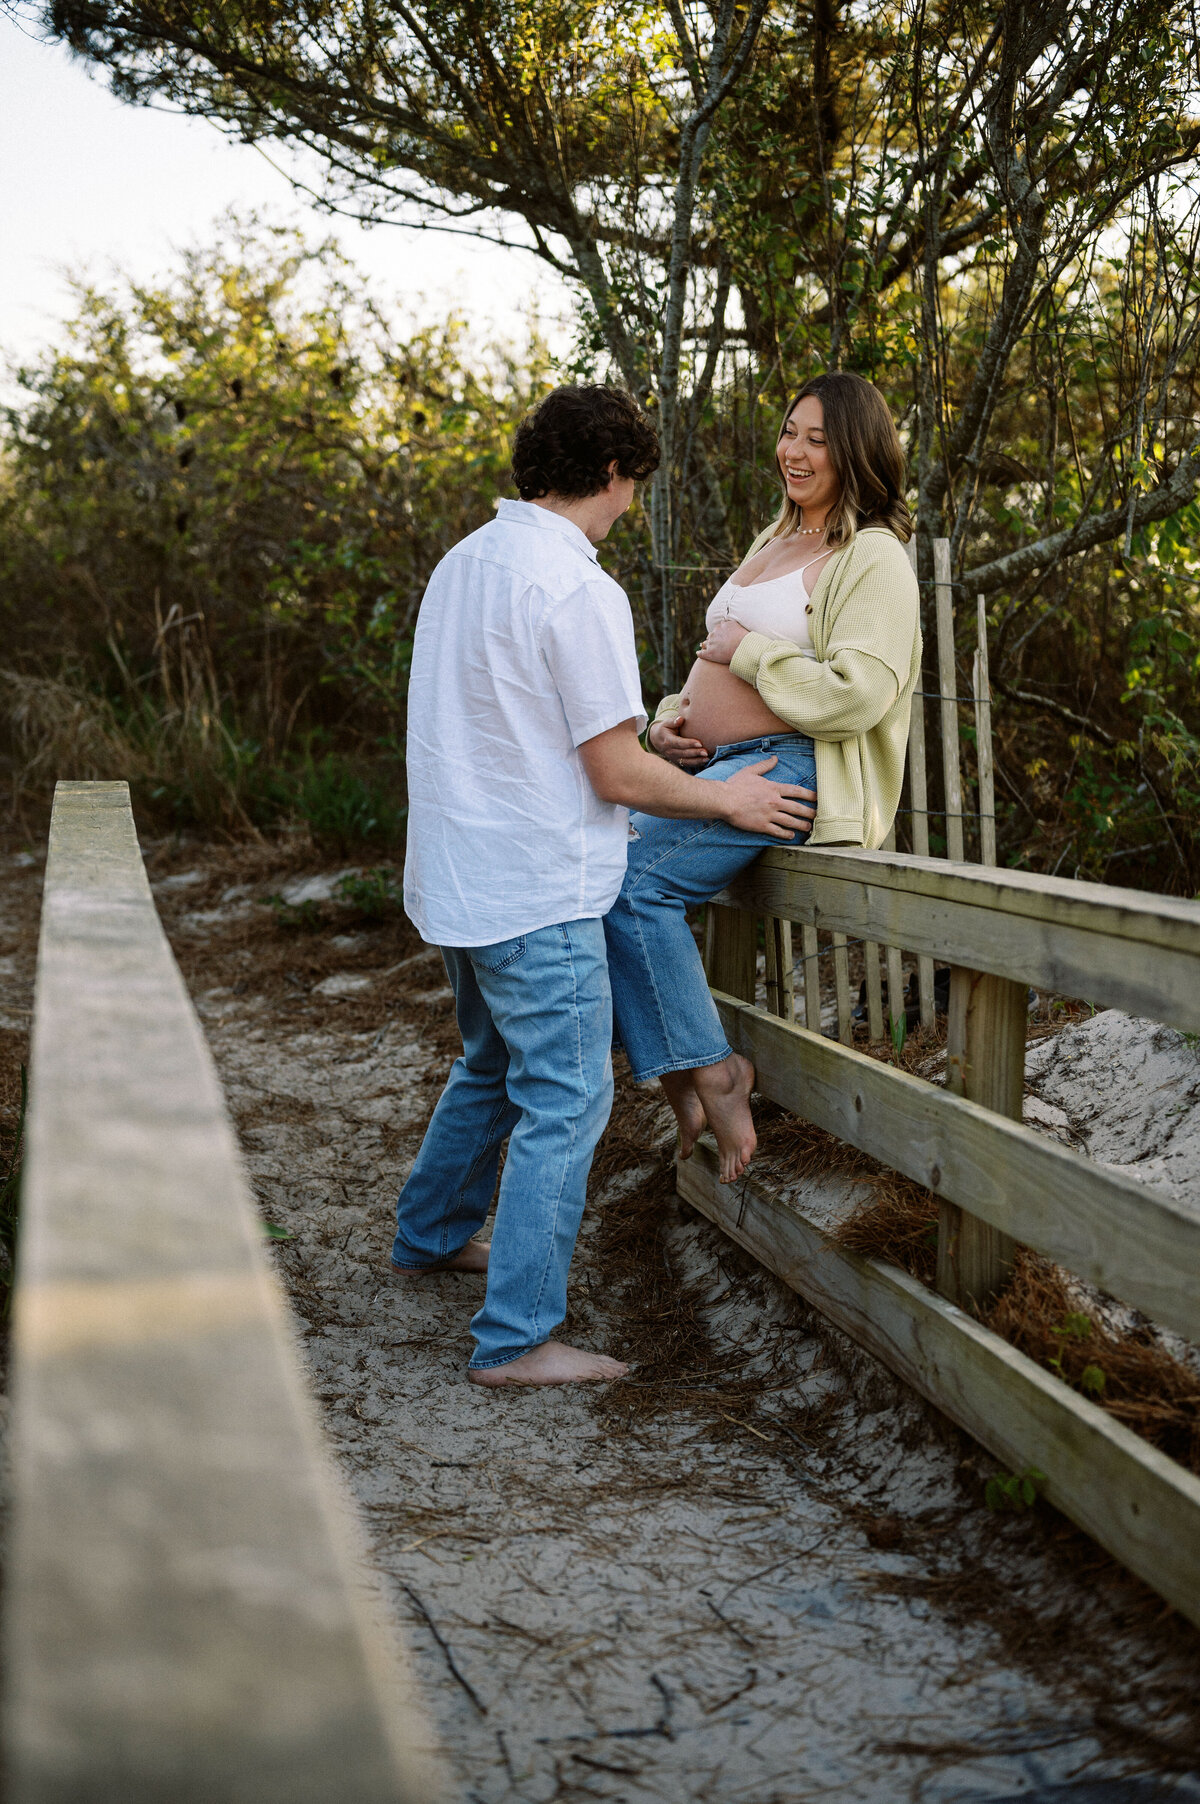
718	708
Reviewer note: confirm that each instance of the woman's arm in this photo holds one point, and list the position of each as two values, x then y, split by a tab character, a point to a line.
873	630
838	697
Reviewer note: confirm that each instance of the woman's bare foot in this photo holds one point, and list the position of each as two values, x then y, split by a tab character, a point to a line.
470	1258
552	1363
724	1092
680	1092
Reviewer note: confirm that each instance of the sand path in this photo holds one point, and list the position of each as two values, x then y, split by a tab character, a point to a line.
758	1573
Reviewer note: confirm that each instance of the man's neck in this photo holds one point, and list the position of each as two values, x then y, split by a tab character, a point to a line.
590	513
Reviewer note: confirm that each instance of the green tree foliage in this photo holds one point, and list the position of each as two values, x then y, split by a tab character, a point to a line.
989	210
219	506
919	189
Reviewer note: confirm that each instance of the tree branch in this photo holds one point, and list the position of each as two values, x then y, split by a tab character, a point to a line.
1098	529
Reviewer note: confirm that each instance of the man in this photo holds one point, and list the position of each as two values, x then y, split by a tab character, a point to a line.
523	761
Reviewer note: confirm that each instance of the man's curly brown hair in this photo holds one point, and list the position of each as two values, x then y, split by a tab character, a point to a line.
564	447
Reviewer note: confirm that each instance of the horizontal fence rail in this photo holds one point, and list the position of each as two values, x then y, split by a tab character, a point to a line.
1117	947
1120	1235
184	1621
999	1183
1130	1498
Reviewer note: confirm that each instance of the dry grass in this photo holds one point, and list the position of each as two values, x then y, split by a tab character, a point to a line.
898	1225
898	1218
1143	1386
659	1321
59	725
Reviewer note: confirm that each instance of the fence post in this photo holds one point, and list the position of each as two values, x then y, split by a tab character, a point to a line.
983	741
918	795
948	682
985	1062
731	950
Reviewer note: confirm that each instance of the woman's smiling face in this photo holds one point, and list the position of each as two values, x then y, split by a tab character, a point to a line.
804	460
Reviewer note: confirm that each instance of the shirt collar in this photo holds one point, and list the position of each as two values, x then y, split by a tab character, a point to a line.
525	513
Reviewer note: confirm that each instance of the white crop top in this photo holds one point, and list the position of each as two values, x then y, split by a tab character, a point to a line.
780	608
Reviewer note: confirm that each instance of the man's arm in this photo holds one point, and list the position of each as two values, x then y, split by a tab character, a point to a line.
620	771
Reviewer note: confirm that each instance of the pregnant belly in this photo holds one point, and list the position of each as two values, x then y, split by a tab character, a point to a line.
718	708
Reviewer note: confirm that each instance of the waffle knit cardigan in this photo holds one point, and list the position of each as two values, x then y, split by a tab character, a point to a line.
855	697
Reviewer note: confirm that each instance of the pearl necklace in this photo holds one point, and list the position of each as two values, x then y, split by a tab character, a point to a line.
803	532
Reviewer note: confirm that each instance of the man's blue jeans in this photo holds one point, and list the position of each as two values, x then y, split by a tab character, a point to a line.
535	1016
665	1015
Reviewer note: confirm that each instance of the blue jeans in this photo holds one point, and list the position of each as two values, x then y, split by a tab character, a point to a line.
535	1016
665	1015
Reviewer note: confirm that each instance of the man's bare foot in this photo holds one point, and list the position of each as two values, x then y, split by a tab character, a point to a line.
680	1092
552	1363
724	1092
470	1258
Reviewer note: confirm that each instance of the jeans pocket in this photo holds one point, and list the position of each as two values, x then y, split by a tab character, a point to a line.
501	955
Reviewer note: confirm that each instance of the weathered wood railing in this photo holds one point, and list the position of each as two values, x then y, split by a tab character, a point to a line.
183	1617
998	1182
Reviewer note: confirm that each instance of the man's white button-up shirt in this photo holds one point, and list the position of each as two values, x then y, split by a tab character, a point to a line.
524	649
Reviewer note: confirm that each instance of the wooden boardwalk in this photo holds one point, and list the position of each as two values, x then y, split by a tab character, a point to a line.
184	1616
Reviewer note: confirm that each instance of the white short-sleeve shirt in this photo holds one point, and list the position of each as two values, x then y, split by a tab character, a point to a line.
524	649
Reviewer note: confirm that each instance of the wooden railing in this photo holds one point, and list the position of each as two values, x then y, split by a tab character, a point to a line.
997	1182
184	1621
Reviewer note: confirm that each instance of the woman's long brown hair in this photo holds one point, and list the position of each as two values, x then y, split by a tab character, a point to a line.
867	459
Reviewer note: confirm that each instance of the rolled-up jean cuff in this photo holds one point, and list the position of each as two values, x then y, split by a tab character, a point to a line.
687	1064
506	1359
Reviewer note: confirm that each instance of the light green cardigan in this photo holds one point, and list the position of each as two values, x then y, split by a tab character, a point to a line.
855	696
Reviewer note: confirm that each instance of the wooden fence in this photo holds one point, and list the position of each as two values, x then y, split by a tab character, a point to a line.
184	1622
946	717
998	1182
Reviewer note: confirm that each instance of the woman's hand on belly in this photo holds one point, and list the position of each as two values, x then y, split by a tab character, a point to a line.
717	708
668	740
721	641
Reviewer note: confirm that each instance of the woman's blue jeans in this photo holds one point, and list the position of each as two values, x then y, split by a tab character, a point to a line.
535	1016
664	1013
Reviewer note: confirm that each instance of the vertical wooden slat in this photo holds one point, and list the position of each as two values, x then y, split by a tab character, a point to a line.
983	736
895	975
917	782
949	706
781	999
871	950
874	992
985	1062
841	978
731	950
812	979
919	793
770	965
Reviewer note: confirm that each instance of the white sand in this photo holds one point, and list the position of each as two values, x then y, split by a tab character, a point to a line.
689	1608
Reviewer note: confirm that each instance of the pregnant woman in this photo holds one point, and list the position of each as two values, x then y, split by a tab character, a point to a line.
811	655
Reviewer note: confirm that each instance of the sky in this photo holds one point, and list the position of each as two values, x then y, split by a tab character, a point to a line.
88	183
